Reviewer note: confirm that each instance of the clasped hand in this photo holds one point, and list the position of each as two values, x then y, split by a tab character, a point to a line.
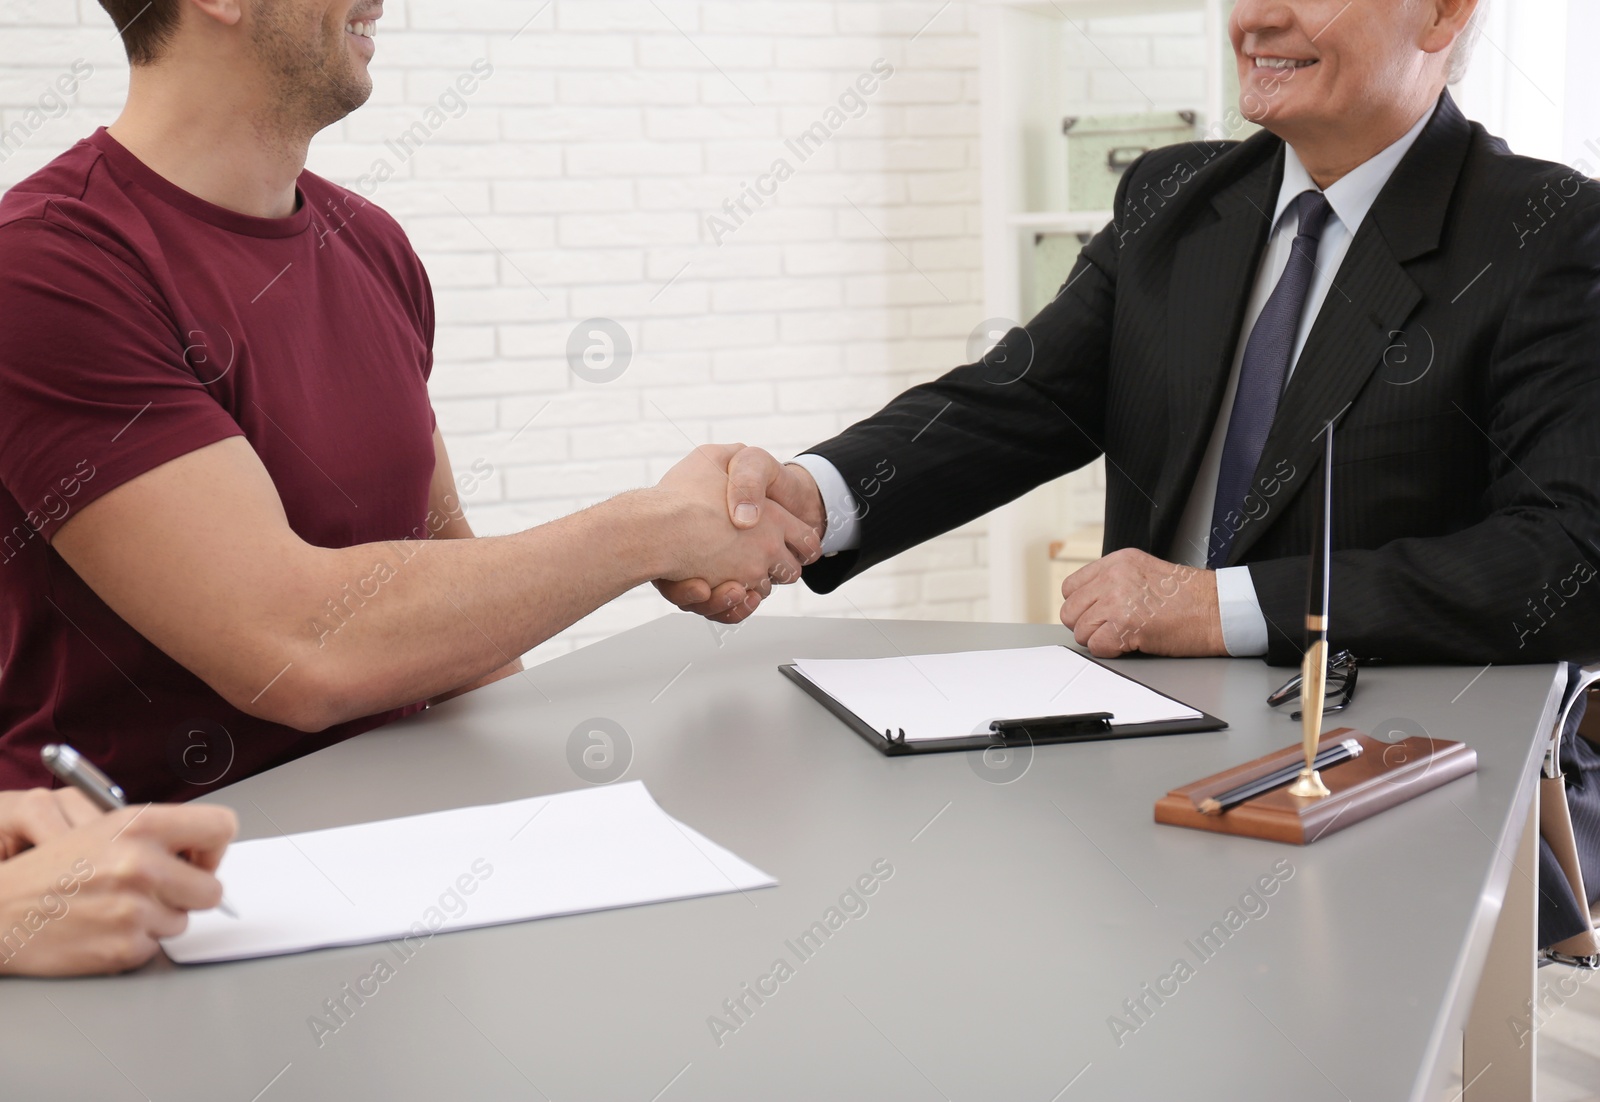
739	523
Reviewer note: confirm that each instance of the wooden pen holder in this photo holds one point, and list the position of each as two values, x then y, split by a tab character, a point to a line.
1386	774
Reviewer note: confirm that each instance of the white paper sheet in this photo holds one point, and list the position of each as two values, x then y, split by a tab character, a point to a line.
568	853
936	696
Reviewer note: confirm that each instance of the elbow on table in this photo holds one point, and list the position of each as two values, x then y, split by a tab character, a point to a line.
296	694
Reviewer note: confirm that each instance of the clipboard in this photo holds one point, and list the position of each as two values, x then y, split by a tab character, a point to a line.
1085	727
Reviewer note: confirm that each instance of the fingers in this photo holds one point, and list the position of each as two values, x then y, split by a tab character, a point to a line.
698	597
726	600
741	610
1080	578
1109	641
124	951
40	814
202	831
719	454
1090	611
802	540
1089	622
750	473
784	568
178	885
687	593
1098	629
167	922
77	807
785	531
1079	599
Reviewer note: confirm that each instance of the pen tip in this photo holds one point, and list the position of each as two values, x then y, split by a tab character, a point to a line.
1210	807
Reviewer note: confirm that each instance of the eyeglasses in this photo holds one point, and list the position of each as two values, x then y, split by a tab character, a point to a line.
1341	687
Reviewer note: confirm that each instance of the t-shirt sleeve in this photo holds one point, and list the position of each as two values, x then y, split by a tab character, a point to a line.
420	290
425	320
95	382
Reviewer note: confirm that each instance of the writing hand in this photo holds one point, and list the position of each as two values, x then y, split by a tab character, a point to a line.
99	897
37	815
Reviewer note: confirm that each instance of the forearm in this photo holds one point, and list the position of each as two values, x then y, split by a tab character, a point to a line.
953	449
364	629
939	456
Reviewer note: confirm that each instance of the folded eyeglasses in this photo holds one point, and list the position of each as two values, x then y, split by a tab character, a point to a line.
1341	690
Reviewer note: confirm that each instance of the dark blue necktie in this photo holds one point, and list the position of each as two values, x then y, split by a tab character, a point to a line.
1262	375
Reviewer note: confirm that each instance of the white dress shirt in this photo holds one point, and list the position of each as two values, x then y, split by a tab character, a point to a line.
1244	628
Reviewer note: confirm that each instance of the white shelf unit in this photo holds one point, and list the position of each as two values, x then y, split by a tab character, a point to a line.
1027	87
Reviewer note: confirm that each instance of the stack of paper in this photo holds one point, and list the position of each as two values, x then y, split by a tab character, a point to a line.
409	878
934	696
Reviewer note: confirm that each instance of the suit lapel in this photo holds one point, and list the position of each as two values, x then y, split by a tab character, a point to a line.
1370	300
1212	269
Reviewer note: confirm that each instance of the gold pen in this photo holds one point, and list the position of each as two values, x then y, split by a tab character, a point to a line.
1314	667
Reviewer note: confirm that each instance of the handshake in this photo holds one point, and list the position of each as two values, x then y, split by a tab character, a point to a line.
739	521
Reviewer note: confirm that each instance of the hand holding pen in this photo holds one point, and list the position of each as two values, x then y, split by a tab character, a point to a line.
71	767
85	891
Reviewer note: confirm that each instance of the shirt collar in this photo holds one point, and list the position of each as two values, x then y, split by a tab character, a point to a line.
1352	195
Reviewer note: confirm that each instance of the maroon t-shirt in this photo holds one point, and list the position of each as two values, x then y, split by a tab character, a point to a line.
137	324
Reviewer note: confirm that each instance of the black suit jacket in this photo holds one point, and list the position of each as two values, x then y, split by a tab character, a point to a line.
1459	347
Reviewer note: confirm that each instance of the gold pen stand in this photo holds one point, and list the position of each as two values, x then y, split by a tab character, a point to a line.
1386	774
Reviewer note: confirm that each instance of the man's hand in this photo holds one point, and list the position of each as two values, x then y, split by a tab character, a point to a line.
98	897
37	815
739	557
1130	601
755	480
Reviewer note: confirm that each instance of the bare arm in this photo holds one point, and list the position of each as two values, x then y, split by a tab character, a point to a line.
198	556
445	501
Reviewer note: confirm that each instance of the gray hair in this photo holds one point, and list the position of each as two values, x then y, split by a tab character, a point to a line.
1461	50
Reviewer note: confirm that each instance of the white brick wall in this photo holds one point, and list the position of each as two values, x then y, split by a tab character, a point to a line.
579	182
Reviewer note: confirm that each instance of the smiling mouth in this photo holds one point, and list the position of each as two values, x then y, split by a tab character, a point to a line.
1282	64
362	28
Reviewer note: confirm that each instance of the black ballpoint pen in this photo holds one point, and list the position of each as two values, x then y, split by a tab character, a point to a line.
1343	751
71	767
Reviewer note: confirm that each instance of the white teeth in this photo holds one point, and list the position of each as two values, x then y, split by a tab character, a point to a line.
364	28
1281	63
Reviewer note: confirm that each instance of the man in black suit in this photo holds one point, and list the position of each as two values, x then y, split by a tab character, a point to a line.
1372	258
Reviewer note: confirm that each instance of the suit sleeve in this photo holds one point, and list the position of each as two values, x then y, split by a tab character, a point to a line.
951	450
1520	585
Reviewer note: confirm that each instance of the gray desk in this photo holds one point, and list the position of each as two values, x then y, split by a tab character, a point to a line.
1019	918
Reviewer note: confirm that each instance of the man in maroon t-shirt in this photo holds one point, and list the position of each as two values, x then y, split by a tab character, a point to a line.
228	532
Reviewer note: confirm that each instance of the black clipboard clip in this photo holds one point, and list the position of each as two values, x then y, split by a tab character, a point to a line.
1082	725
893	739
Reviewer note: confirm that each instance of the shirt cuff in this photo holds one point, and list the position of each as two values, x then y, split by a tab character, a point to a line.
1244	628
842	531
